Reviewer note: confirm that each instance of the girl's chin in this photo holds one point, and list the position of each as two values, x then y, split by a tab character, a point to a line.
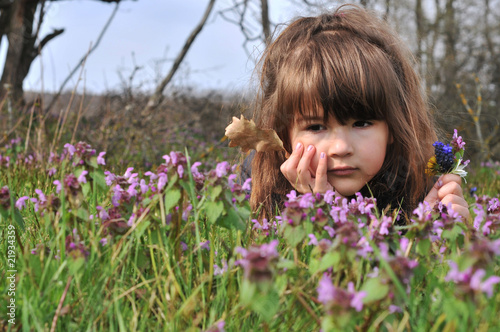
346	192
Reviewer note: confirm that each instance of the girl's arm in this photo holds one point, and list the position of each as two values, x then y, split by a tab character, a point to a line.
448	189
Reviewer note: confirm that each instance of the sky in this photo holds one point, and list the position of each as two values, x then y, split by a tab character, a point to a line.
148	34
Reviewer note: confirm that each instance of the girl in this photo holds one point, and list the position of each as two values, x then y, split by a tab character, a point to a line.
341	92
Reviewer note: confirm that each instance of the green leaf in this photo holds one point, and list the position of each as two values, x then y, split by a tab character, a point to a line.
19	219
286	264
82	214
424	247
214	192
266	304
375	290
247	292
452	234
172	197
213	210
93	162
99	179
294	235
331	259
86	189
139	230
75	265
232	220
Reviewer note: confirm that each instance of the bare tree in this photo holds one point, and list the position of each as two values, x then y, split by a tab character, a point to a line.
17	23
252	17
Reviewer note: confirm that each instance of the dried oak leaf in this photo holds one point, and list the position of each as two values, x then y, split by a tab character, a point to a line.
245	134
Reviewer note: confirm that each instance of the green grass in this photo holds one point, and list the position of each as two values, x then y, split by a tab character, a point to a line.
143	280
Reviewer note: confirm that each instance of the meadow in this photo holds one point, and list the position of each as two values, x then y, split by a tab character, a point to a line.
93	242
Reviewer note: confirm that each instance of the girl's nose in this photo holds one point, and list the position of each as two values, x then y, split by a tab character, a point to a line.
340	144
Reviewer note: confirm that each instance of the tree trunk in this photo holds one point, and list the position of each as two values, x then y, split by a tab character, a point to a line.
450	41
16	22
266	24
15	35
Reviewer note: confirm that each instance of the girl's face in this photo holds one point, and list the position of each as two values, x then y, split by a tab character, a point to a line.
355	151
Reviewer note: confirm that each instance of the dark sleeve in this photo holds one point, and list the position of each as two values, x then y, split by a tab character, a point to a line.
246	167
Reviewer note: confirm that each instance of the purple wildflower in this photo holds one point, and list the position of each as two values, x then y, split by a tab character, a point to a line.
246	185
152	176
110	178
81	177
144	187
117	195
51	171
292	196
180	170
334	297
220	270
457	141
131	220
230	181
307	201
205	245
312	240
184	246
69	149
162	180
58	185
478	283
221	169
257	261
100	158
131	190
329	196
21	202
218	327
330	230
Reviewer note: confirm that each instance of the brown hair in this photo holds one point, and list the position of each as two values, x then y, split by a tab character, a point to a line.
351	65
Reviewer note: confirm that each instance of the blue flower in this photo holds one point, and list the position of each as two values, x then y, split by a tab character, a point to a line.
448	158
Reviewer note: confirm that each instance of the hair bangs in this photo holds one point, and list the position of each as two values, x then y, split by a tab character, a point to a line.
298	86
358	80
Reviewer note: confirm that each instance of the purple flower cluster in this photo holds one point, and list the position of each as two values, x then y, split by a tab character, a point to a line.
75	247
351	223
5	197
471	280
258	261
335	299
487	210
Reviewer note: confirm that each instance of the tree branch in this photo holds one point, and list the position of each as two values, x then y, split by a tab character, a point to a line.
84	58
49	37
157	95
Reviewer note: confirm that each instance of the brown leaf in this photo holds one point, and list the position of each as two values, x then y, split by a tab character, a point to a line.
245	134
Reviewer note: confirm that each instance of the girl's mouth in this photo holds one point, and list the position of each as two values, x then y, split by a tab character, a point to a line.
342	171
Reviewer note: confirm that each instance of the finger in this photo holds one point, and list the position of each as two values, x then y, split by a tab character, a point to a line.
294	159
289	167
321	184
454	199
432	196
304	175
450	188
458	205
446	178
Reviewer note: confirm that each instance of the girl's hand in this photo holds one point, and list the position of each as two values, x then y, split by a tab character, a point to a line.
297	170
448	189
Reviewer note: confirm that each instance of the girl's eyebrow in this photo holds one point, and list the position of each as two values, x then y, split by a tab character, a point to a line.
309	119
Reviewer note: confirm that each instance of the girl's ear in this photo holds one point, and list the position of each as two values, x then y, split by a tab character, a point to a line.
391	138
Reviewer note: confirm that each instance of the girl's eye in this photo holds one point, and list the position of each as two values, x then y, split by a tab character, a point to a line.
315	127
362	123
